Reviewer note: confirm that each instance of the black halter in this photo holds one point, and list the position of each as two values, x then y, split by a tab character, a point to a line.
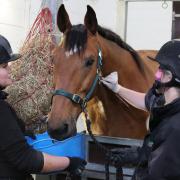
77	98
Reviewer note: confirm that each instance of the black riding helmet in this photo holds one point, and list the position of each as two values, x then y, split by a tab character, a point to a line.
6	54
169	58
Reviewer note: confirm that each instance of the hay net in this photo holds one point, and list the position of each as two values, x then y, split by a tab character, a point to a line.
30	94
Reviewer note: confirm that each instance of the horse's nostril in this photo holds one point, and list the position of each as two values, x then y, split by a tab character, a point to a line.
66	127
59	133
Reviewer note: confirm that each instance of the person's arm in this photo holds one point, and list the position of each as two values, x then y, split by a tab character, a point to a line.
23	157
135	98
57	163
54	163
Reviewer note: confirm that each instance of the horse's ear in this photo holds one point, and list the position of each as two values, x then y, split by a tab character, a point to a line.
90	20
63	21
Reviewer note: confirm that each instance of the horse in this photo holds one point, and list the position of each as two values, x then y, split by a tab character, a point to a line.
87	52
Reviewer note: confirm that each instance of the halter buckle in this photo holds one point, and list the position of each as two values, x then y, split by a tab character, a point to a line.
84	104
76	98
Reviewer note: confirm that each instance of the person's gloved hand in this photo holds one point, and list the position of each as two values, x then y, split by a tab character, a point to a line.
76	165
111	81
125	155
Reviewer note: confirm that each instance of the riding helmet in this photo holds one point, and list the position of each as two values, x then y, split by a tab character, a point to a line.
6	54
169	57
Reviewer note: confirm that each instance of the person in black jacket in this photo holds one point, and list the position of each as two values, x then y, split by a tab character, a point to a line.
159	158
17	159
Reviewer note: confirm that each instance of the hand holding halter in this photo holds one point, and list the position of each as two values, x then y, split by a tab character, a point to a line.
111	81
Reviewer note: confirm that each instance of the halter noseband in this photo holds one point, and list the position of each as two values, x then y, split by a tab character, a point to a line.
77	98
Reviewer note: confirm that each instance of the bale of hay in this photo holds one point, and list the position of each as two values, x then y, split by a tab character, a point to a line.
30	94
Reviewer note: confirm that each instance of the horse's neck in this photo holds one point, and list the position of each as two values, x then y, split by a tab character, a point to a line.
117	59
130	75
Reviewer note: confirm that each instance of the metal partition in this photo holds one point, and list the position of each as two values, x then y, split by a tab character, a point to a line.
96	159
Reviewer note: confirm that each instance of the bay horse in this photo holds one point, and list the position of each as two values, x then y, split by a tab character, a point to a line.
87	50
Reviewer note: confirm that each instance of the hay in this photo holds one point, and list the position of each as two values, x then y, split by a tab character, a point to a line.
30	94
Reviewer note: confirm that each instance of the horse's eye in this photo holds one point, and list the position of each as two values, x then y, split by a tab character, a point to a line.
89	62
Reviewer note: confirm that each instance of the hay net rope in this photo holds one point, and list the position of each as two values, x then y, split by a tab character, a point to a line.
30	94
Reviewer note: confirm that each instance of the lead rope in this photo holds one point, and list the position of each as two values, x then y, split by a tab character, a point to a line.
100	146
107	152
109	155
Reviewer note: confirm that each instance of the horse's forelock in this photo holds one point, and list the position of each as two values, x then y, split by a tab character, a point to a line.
76	39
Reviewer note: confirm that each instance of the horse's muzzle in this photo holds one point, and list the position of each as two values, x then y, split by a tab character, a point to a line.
63	132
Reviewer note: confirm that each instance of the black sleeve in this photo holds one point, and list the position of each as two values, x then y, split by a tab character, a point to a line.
165	160
149	99
13	144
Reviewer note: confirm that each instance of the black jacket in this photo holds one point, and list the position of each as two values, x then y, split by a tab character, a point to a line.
17	158
163	158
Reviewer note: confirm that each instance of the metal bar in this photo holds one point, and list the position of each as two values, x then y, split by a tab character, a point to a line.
126	18
101	175
116	141
176	15
112	170
86	148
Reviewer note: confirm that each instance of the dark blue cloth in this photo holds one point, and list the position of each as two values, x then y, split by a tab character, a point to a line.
163	157
17	158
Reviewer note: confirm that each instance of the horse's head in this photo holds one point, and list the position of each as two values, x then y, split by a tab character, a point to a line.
76	63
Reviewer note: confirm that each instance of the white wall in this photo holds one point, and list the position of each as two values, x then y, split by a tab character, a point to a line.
121	18
106	11
16	18
148	24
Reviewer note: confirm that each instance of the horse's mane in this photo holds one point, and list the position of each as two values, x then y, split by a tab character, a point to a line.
108	34
76	38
